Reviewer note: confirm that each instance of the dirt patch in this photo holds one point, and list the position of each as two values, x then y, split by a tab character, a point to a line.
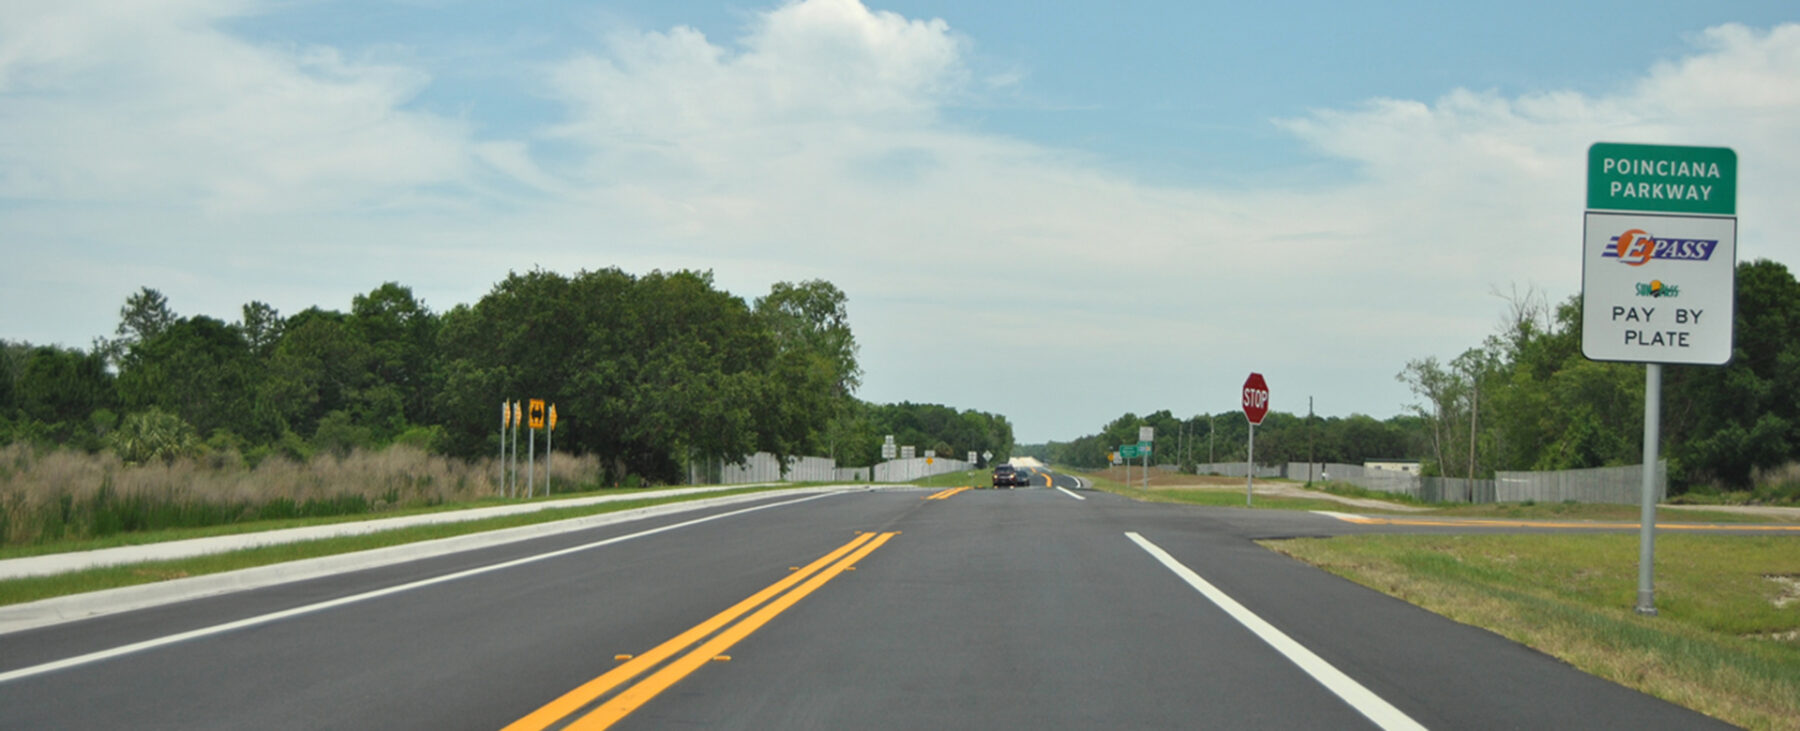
1790	589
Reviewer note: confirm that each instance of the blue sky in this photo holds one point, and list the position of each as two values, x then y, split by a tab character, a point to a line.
1323	191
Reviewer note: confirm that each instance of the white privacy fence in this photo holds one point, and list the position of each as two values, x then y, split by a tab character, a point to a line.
904	470
1620	485
765	467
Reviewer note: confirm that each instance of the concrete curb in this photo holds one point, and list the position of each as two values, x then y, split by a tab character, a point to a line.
56	610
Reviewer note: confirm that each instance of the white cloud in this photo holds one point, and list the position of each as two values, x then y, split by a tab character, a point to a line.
814	146
151	103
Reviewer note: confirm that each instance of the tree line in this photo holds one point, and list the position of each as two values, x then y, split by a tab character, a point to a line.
648	373
1203	438
1527	399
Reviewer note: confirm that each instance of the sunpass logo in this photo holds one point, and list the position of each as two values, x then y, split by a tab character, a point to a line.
1635	247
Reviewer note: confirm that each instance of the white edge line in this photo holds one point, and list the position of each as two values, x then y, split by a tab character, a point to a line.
136	647
1346	517
1066	491
1362	699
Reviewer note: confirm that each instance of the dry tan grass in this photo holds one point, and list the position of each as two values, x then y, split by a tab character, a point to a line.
37	486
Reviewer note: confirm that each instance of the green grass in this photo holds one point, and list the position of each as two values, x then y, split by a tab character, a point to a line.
969	478
1720	645
14	591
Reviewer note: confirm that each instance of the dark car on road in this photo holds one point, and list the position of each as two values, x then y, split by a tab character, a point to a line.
1006	476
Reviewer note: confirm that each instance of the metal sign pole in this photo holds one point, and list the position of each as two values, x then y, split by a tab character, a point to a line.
549	434
505	417
531	464
1646	603
518	423
1250	467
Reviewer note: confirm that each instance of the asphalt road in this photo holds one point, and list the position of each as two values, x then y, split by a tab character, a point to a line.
888	609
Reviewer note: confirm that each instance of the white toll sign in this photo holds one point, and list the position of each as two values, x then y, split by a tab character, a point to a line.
1658	288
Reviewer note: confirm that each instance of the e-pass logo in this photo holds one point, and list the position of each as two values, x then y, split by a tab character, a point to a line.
1635	247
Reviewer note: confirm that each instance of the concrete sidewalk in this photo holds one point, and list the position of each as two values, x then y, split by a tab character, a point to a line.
58	563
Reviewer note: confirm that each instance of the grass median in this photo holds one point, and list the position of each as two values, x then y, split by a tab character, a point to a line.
1726	641
14	591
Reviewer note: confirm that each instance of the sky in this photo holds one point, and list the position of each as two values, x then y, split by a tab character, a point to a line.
1058	212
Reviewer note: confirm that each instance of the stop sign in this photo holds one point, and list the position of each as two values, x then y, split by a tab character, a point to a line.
1256	398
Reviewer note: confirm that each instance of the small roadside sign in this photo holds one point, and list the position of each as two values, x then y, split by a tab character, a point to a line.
536	413
1146	433
552	417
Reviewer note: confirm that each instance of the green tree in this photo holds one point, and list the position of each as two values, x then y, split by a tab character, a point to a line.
261	326
145	315
1724	422
58	388
199	369
401	334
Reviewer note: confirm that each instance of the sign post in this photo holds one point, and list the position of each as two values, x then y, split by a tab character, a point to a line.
549	448
505	421
1256	406
1146	434
1658	281
518	421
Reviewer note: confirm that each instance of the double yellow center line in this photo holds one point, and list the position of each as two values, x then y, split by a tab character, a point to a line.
944	494
808	578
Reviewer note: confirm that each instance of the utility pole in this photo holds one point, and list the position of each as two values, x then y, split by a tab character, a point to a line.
1209	440
1312	439
1474	408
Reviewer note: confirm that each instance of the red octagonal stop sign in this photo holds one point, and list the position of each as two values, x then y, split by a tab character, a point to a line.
1256	398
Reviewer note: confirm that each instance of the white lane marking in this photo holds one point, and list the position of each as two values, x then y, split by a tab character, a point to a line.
151	644
1346	517
1365	702
1065	491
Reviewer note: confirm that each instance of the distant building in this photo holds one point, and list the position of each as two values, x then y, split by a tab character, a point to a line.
1409	466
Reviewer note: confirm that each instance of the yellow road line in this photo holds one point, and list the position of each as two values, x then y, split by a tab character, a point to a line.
573	700
1366	520
943	494
637	695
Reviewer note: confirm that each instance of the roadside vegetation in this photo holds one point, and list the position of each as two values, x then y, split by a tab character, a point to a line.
14	591
58	497
1726	641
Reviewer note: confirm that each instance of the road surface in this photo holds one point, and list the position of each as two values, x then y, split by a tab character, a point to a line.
1041	607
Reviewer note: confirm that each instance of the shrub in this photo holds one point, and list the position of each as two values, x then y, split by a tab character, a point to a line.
154	435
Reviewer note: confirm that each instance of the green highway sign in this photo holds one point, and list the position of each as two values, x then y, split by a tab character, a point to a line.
1662	179
1129	451
1143	449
